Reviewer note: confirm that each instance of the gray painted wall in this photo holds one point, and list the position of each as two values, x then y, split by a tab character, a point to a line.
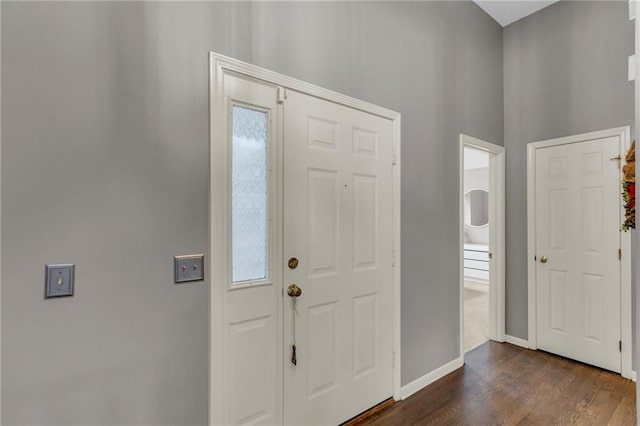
565	72
104	163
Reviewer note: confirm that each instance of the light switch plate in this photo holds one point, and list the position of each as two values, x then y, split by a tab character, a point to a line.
188	268
59	280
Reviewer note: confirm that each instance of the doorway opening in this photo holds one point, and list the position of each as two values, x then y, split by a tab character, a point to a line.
476	269
481	243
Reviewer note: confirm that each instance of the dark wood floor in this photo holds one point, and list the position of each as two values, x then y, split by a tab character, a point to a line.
502	384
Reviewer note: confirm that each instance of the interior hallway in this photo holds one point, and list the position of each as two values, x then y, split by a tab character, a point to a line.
476	314
506	384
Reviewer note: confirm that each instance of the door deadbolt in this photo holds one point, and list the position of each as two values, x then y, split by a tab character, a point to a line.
294	291
293	263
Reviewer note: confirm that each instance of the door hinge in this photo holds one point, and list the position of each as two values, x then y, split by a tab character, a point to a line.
619	253
618	159
620	345
282	95
394	161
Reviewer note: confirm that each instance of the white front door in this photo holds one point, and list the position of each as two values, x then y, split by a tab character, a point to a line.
577	224
312	180
338	225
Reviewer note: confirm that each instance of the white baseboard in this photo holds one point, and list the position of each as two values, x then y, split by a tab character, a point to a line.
634	377
424	381
516	341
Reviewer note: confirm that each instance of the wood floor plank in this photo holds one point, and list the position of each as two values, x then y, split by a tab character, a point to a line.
622	411
508	385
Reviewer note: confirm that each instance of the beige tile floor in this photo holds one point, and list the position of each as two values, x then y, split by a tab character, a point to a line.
476	314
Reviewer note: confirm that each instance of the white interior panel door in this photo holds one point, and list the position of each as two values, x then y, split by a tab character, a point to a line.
338	224
251	349
577	241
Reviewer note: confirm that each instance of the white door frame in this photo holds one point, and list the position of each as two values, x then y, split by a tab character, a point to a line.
220	65
623	134
497	244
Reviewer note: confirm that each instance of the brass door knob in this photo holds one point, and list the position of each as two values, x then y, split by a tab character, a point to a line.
294	291
543	259
293	263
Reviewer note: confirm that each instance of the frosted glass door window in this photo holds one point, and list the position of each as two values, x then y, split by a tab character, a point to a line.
249	195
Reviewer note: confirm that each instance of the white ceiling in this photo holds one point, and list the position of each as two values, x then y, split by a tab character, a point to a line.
507	11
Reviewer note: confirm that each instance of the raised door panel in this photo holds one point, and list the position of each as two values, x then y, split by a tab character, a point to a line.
322	350
558	216
365	332
365	142
322	133
250	345
593	298
323	222
591	164
592	220
557	167
558	298
365	227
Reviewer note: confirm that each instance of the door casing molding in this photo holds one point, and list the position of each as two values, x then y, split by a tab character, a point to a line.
624	136
219	65
497	241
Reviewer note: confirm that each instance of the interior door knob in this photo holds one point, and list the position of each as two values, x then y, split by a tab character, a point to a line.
543	259
294	291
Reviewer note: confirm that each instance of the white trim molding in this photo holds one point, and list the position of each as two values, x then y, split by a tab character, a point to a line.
397	306
219	66
424	381
497	237
516	341
0	245
624	136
